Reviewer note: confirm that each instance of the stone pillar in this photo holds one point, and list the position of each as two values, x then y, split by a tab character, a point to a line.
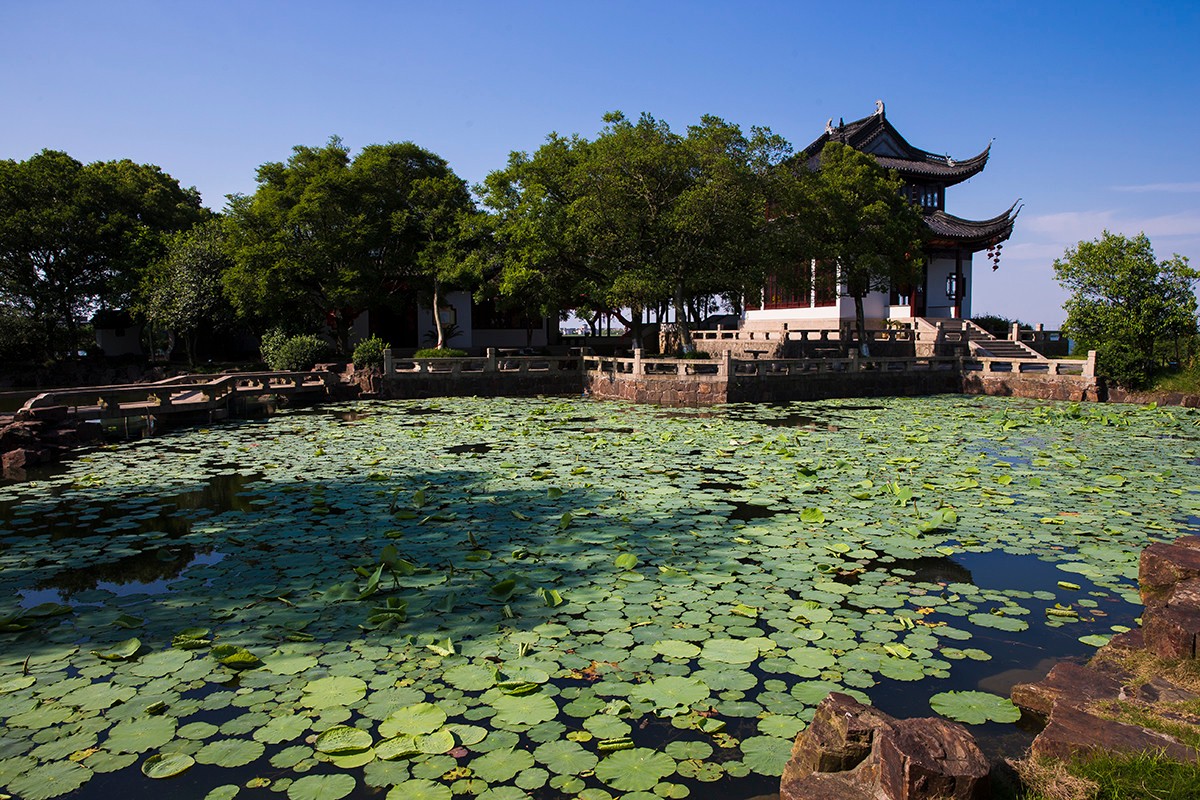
490	366
1015	335
1089	366
388	364
637	361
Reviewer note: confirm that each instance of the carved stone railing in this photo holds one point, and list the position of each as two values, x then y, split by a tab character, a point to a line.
400	367
183	393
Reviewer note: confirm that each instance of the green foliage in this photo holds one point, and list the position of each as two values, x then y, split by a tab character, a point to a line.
182	292
862	222
74	237
325	232
998	326
369	353
1124	303
293	352
640	217
440	352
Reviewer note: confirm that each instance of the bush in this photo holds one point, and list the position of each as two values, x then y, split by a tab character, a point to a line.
271	342
445	352
695	354
293	353
369	353
1122	364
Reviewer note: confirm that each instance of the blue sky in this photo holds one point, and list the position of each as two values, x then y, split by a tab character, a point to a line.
1094	107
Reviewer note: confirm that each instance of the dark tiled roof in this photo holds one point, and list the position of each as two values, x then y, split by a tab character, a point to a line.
949	229
912	163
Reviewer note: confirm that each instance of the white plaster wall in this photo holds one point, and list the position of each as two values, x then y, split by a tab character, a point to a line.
936	303
461	303
129	343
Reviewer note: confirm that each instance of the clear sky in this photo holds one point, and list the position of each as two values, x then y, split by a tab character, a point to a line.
1094	107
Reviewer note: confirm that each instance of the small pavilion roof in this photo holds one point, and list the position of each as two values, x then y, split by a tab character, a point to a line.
876	136
950	231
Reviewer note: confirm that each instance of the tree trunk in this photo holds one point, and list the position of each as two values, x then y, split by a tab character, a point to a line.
635	325
681	320
437	316
861	325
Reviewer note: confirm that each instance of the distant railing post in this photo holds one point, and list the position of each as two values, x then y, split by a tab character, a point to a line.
1015	333
491	365
725	368
389	366
1089	366
637	361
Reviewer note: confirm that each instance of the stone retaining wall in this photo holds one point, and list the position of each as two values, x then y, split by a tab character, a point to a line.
1031	386
529	384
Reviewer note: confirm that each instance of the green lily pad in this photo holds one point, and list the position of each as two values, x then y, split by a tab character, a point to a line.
974	708
167	765
343	739
635	770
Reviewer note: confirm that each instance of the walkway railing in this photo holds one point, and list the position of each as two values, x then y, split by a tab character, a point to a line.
186	393
494	363
725	367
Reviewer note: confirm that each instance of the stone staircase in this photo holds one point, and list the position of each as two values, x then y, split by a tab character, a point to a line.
984	344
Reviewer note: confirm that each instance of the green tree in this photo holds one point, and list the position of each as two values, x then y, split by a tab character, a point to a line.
863	224
1123	302
639	218
182	292
326	237
76	237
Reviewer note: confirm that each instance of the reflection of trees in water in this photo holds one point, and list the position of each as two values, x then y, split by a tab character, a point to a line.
932	570
158	564
221	494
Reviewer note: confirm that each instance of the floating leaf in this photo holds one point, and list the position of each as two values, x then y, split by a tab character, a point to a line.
120	651
974	708
167	765
321	787
343	739
636	770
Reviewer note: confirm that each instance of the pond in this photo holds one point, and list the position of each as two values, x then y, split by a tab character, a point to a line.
556	598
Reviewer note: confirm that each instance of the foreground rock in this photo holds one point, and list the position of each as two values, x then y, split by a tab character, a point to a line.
1090	707
29	443
852	751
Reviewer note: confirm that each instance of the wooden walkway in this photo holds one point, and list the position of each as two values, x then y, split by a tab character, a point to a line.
192	395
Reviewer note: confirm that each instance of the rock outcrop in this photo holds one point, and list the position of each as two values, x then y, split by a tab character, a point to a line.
852	751
29	443
1087	707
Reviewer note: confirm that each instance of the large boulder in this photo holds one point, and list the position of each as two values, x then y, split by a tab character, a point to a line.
1073	731
851	750
1163	565
1067	683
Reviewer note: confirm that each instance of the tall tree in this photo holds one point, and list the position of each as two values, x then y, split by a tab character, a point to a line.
75	237
862	224
1123	302
182	292
640	217
325	237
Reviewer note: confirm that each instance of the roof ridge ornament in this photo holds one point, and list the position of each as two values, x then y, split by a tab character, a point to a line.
879	107
829	126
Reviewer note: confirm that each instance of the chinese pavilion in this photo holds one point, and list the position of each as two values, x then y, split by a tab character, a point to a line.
944	290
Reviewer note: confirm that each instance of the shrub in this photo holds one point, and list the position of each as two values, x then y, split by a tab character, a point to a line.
369	353
296	352
695	354
445	352
1122	364
272	340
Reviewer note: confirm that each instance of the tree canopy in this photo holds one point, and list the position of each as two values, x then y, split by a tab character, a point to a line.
327	237
1124	303
640	217
861	222
74	237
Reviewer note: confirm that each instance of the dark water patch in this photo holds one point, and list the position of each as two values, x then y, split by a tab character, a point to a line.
930	570
458	449
745	512
150	572
718	486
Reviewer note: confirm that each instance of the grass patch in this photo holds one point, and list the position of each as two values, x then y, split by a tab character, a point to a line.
1144	666
1186	381
1109	776
442	352
1173	719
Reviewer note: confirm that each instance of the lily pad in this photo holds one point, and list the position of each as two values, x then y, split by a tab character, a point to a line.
974	708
